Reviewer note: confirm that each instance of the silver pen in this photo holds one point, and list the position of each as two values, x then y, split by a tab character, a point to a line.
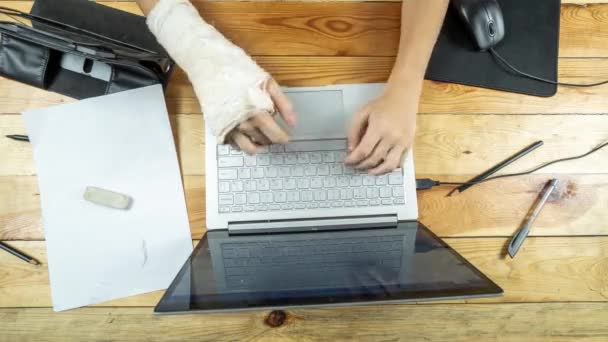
522	233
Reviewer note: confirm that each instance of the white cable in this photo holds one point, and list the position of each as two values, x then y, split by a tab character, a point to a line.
228	82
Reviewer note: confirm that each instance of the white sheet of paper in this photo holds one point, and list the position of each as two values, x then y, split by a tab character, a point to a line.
123	143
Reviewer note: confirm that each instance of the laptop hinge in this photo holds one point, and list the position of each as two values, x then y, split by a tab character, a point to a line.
307	225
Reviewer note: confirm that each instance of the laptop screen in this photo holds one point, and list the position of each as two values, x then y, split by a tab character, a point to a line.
406	263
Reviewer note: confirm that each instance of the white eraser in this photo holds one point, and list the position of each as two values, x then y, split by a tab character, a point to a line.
107	198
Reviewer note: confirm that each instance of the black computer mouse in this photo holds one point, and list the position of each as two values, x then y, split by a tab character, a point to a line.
484	21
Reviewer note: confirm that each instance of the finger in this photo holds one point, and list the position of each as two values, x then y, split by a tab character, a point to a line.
282	102
244	143
392	162
357	128
378	156
364	149
266	124
252	132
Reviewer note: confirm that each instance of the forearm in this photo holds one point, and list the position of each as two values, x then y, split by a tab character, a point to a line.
421	21
146	5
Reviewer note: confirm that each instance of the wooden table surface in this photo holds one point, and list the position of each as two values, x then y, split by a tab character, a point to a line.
557	287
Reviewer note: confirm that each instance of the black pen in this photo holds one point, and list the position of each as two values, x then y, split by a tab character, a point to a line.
18	254
499	166
18	137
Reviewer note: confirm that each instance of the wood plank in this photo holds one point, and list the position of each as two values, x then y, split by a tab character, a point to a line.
569	269
492	209
445	144
437	98
353	28
440	322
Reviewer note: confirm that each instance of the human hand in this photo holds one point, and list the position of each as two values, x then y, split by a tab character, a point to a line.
261	128
383	130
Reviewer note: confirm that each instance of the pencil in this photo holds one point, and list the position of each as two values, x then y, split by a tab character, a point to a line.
18	254
18	137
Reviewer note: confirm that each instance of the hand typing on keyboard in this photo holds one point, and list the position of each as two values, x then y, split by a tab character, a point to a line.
261	129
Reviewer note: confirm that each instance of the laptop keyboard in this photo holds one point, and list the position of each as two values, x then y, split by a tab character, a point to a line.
300	175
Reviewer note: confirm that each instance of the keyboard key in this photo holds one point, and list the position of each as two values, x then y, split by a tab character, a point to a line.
374	202
266	197
385	192
316	145
337	204
291	158
253	198
329	182
250	160
349	170
257	172
316	182
262	149
297	171
237	209
398	191
223	150
277	148
300	206
307	196
261	207
369	180
372	193
244	173
251	185
224	187
355	181
293	196
362	203
271	172
323	170
240	199
226	199
325	205
287	206
224	210
333	194
303	158
280	196
276	159
289	184
319	195
227	174
387	202
237	186
316	158
346	194
349	204
263	184
328	157
395	178
284	171
339	156
234	150
310	170
263	160
276	184
343	181
312	205
381	180
336	169
250	208
303	183
359	193
274	207
399	201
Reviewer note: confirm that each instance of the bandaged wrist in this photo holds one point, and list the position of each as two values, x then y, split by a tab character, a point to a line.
227	82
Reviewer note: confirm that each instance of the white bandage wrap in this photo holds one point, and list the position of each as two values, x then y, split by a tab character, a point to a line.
229	84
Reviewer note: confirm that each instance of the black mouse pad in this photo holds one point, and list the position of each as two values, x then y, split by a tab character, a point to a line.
531	44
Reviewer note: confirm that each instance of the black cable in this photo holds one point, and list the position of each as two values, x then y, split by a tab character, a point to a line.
525	74
595	149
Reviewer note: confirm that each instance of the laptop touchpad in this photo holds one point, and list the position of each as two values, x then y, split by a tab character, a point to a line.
321	115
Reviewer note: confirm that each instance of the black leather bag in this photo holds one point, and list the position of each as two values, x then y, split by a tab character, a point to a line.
54	54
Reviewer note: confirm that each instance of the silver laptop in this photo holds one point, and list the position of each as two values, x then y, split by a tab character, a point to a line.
294	226
304	184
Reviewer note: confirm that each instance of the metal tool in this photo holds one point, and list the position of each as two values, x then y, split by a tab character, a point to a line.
520	236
